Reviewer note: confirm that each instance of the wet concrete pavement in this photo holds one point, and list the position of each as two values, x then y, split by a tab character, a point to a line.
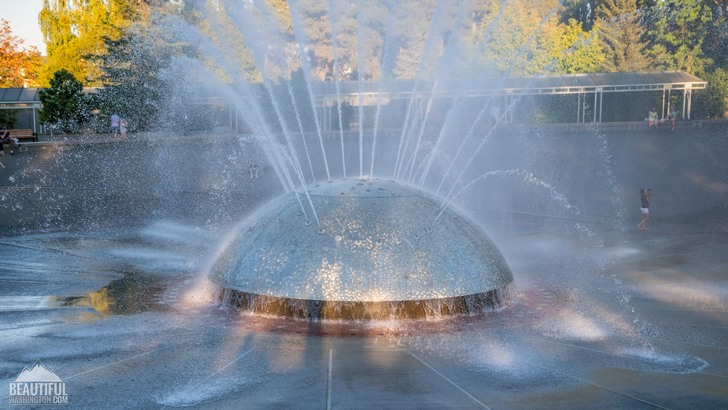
626	321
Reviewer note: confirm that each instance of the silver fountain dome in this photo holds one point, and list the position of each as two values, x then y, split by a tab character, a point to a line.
373	249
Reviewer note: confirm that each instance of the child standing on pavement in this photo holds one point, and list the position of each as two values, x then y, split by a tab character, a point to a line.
645	200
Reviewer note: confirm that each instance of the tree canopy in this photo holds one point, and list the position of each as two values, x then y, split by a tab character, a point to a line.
622	36
393	39
348	39
74	32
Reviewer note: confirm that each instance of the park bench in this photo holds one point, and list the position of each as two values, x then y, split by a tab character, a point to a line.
22	135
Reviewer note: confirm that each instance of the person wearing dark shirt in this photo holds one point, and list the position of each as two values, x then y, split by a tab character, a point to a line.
5	139
645	199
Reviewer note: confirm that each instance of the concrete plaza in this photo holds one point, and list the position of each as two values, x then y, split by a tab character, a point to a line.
103	281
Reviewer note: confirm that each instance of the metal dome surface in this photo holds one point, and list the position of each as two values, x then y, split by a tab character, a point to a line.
368	241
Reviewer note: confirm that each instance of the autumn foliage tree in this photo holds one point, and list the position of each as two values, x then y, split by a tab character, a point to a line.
18	65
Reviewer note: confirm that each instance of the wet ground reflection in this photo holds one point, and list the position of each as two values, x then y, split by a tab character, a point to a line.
128	295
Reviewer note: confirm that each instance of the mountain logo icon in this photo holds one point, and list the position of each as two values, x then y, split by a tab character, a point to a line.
37	373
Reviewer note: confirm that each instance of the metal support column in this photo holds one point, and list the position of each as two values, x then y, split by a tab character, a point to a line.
578	107
601	104
237	124
505	108
509	102
322	109
35	120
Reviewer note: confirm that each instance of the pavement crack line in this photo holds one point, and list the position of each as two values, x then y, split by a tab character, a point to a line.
605	387
225	367
449	381
220	369
673	366
682	342
598	385
328	380
124	360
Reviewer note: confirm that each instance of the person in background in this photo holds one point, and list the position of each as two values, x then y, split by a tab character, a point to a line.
673	117
5	138
645	200
652	118
115	124
123	127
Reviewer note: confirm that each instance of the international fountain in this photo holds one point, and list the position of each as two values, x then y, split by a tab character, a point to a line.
370	256
363	245
355	272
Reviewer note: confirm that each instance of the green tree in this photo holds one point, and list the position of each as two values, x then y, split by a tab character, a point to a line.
313	29
133	71
74	31
503	35
572	50
713	101
410	35
678	29
581	11
221	31
622	36
64	103
372	20
524	37
8	118
18	65
715	43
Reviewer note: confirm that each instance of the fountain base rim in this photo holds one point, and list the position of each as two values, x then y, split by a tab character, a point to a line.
466	305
